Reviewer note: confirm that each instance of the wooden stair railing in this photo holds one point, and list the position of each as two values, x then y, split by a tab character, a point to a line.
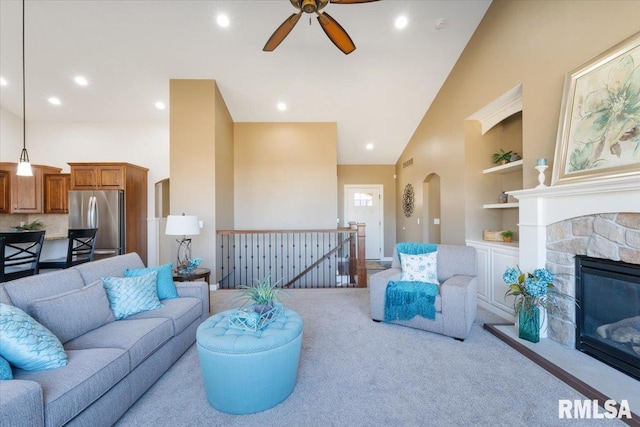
298	258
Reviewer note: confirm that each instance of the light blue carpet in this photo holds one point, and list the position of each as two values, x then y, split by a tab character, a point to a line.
354	372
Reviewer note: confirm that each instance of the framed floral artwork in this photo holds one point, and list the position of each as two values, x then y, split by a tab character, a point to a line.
599	130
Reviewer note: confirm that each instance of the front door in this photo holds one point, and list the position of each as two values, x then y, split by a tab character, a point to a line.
363	204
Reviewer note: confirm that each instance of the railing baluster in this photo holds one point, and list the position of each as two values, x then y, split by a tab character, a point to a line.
297	258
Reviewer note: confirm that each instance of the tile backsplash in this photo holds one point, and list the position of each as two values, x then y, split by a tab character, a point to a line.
56	225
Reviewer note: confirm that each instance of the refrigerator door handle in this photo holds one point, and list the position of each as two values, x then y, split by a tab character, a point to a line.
92	213
89	211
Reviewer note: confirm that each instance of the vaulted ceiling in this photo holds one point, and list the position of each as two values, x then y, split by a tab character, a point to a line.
128	51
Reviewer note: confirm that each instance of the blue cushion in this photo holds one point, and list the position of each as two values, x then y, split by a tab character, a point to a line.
131	295
26	344
5	369
166	287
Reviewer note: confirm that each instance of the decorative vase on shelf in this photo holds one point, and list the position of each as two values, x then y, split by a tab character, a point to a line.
529	322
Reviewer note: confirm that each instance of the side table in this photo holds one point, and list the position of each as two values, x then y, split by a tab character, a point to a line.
198	273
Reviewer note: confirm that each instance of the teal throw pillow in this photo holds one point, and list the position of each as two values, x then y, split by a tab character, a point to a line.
5	369
131	295
166	287
26	344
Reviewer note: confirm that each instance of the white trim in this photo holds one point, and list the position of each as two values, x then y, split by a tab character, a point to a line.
498	110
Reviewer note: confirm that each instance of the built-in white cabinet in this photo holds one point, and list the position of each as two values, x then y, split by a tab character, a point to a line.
493	260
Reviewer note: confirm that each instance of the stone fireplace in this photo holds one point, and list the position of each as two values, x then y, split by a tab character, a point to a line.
599	219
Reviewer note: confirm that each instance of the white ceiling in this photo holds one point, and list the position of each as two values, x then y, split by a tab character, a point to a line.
128	50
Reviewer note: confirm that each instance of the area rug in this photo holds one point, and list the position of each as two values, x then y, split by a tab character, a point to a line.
355	372
374	265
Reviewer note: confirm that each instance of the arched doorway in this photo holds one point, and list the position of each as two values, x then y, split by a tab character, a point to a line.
431	208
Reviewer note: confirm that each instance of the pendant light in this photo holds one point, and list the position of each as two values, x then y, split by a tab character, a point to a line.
24	166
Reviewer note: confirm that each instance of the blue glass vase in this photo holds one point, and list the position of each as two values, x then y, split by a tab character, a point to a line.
529	322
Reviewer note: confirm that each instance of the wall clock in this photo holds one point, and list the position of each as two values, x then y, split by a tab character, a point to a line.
407	200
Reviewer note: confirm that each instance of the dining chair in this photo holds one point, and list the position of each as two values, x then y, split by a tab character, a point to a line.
82	241
20	254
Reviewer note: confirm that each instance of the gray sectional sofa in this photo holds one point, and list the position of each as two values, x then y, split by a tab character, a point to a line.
109	367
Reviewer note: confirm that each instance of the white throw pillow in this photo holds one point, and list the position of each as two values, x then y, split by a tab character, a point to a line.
420	268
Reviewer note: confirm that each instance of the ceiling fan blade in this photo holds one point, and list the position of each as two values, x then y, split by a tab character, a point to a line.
336	33
283	31
350	1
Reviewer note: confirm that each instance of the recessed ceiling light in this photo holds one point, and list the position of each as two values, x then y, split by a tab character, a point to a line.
369	146
282	106
160	105
53	100
401	22
223	20
3	82
80	80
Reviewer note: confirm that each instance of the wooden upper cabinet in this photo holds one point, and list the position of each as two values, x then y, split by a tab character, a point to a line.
56	193
97	176
119	176
26	195
5	191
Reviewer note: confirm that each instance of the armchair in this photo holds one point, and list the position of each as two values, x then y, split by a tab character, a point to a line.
456	304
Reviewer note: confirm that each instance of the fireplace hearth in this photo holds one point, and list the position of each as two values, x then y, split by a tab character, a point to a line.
608	312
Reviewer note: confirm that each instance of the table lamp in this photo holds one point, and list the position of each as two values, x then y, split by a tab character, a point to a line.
183	225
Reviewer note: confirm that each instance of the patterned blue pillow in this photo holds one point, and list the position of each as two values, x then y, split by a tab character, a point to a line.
166	287
5	369
131	295
420	268
26	344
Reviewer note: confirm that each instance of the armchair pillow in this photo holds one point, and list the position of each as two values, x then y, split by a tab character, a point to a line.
419	268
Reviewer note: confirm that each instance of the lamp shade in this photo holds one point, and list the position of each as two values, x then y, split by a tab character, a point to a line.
182	225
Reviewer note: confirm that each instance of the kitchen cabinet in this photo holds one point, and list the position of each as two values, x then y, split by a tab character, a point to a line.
26	192
119	176
110	176
5	191
56	193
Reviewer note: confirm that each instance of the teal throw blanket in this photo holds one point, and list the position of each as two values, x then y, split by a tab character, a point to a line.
415	248
404	300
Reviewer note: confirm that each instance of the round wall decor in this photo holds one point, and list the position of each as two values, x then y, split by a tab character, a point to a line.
407	200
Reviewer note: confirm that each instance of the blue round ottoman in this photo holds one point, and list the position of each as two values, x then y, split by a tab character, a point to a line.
244	371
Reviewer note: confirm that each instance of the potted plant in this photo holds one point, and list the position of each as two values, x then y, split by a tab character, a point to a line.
263	295
502	157
506	236
32	226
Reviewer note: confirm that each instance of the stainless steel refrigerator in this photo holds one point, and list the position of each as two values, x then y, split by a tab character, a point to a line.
104	210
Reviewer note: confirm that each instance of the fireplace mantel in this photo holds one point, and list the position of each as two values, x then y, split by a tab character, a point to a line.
540	207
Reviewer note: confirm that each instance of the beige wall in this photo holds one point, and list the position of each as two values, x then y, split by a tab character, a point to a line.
192	153
530	42
285	175
224	165
372	175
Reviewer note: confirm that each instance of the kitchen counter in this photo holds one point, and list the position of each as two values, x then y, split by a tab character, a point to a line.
54	236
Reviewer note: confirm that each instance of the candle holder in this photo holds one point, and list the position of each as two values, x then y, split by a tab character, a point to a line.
541	177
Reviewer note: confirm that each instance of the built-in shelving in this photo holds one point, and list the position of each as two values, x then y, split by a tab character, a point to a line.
501	205
506	168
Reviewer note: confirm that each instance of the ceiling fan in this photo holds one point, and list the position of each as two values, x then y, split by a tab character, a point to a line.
332	29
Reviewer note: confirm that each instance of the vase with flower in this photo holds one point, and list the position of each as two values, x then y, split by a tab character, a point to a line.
535	297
